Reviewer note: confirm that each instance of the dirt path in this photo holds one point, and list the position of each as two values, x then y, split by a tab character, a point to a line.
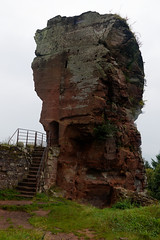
17	218
15	202
14	219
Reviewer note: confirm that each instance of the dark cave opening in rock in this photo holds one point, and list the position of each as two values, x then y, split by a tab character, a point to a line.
54	133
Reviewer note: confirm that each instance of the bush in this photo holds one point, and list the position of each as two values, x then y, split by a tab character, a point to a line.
103	131
124	204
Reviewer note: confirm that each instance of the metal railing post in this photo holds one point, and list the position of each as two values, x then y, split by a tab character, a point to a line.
42	141
17	136
27	138
35	141
41	167
12	136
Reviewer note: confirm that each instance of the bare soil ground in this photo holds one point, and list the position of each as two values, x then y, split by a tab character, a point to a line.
14	219
15	202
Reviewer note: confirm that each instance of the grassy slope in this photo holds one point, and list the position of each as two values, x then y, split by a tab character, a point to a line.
136	223
111	224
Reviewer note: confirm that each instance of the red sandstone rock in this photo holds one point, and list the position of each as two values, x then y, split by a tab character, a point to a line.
89	74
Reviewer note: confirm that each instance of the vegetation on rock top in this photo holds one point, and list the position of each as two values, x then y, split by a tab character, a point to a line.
101	132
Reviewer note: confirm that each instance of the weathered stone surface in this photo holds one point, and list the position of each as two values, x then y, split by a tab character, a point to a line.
14	165
138	198
50	171
89	74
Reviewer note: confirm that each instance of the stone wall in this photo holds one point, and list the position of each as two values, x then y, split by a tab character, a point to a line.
14	164
49	175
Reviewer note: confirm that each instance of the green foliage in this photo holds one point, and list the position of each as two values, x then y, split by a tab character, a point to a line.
41	197
8	194
101	132
136	220
119	17
142	103
20	234
156	182
5	145
149	173
26	207
157	162
124	204
153	177
135	223
147	165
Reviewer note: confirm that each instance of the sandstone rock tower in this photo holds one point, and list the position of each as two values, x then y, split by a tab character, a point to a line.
88	71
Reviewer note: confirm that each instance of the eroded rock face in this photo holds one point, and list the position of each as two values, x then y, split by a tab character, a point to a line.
89	74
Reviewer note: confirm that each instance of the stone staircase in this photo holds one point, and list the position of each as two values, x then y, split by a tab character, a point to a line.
27	187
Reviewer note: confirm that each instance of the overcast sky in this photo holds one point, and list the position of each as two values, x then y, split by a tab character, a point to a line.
19	20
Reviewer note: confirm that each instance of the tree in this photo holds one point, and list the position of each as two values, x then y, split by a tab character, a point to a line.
156	182
153	177
156	163
149	174
147	165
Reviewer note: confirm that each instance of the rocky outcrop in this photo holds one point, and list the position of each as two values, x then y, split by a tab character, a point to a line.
135	198
88	71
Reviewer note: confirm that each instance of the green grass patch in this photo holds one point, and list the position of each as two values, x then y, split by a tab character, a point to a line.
135	223
25	208
122	221
20	234
42	197
125	204
9	194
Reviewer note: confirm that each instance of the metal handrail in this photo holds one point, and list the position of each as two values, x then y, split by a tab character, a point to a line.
28	137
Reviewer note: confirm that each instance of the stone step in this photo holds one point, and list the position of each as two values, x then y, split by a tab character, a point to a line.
35	165
37	154
39	148
31	176
25	196
27	193
36	158
29	180
32	173
26	183
26	189
34	169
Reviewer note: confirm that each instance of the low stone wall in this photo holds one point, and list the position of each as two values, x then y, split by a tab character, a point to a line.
49	175
14	164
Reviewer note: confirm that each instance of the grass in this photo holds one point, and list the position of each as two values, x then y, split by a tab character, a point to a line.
20	234
122	221
9	194
135	223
